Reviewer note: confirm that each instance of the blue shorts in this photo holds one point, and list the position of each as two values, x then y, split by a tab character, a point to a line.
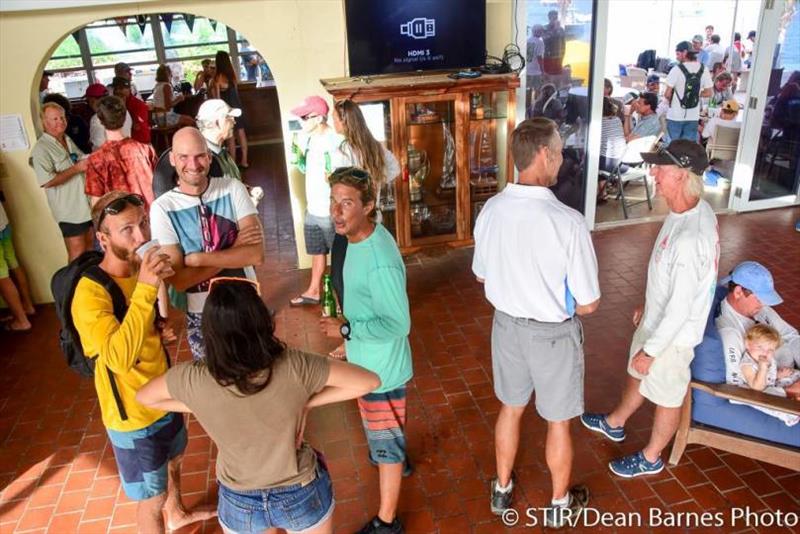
294	508
383	416
142	455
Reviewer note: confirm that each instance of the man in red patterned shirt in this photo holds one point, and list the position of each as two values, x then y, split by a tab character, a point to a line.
122	163
138	109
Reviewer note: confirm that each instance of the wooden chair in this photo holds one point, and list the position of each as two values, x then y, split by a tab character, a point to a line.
764	451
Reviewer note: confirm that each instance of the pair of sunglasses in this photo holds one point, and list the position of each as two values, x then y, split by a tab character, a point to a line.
116	206
682	161
354	172
233	280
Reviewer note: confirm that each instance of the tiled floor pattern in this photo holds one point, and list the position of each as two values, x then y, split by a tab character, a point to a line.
57	473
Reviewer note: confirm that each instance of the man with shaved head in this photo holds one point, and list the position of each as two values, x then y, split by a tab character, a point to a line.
209	228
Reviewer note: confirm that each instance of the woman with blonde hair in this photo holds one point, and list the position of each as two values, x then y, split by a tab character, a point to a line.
223	86
358	149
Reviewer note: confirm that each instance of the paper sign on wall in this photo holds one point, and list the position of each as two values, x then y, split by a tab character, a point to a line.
12	133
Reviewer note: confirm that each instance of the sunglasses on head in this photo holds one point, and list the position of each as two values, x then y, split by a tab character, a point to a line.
680	161
354	172
234	280
118	205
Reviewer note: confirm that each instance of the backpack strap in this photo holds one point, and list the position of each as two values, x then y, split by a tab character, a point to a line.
96	274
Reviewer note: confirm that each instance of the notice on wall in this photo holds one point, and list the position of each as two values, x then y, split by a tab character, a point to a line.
13	136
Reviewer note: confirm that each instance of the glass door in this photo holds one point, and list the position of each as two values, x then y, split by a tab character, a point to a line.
767	170
430	162
487	142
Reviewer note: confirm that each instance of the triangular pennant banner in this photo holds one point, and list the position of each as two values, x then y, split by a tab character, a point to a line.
141	21
189	21
75	35
122	22
167	18
213	24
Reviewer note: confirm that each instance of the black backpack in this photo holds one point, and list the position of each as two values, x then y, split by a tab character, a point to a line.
691	90
63	286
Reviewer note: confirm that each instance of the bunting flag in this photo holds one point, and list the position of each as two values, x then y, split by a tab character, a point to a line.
189	21
141	21
213	24
167	18
75	35
122	23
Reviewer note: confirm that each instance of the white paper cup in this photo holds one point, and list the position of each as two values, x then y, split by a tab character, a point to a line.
147	246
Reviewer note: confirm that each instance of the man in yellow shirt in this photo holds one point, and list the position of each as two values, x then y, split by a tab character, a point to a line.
147	443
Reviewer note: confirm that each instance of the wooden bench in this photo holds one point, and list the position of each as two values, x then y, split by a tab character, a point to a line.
765	451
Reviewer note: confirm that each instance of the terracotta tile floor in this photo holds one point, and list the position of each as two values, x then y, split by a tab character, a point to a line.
57	473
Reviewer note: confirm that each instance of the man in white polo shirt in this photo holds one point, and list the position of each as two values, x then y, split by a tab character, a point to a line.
535	258
681	279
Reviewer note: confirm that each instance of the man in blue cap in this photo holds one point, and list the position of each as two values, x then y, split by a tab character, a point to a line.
751	295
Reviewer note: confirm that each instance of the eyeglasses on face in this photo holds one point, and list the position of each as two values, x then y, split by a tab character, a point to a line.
116	206
234	280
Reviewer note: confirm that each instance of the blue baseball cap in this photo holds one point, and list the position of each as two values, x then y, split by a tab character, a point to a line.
755	277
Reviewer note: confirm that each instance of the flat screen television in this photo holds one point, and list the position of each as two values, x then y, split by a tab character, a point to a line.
386	36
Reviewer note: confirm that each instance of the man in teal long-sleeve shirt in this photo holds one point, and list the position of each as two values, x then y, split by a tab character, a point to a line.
375	331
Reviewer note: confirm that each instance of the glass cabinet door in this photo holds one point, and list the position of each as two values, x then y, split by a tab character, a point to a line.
487	137
431	166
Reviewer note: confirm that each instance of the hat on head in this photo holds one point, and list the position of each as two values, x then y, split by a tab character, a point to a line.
96	90
121	68
311	104
731	105
683	46
119	81
698	38
214	109
681	152
755	277
653	78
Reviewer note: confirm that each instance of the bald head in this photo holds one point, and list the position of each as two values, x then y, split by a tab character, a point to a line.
191	159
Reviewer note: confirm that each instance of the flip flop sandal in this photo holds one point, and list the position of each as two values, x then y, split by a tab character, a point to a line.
302	300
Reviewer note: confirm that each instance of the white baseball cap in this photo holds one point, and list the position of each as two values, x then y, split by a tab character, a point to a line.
215	109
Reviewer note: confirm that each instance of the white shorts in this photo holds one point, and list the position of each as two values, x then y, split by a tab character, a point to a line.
669	376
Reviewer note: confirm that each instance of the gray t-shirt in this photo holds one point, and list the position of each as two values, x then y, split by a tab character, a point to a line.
68	202
255	433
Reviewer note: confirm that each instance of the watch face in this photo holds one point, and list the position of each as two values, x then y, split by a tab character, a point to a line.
345	330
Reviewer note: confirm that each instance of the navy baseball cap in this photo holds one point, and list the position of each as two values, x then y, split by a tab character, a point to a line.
755	277
653	78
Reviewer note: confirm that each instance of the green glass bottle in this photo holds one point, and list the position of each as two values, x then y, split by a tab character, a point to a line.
328	300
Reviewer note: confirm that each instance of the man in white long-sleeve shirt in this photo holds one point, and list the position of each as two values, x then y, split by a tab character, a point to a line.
751	295
681	278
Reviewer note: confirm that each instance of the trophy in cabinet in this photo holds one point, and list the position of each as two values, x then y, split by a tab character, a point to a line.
482	157
418	169
448	180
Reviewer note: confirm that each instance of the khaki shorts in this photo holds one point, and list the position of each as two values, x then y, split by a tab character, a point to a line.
666	382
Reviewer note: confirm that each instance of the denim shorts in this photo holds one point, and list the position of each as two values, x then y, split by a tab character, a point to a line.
295	508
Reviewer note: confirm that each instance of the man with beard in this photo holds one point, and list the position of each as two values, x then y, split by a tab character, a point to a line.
539	285
147	443
207	227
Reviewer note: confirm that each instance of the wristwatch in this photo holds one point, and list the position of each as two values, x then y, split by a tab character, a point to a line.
344	329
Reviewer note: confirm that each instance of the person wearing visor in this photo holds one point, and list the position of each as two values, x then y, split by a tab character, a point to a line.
750	300
60	169
681	277
313	151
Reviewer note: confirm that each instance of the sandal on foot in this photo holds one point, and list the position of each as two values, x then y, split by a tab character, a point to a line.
303	300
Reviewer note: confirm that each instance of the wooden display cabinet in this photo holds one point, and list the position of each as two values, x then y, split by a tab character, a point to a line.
451	138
